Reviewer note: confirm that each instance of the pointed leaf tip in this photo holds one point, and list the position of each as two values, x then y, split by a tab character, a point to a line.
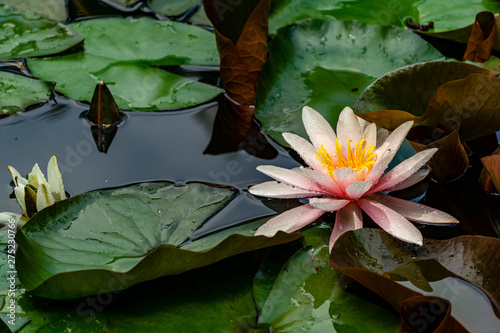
103	108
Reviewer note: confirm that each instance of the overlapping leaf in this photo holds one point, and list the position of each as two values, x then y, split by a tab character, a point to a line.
446	16
26	34
441	268
51	9
309	57
113	239
120	52
18	92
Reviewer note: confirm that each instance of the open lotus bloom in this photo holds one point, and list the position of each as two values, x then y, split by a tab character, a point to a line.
34	193
345	174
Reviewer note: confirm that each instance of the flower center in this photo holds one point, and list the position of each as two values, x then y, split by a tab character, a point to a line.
357	158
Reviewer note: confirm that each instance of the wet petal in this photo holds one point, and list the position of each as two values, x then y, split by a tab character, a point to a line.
328	204
325	181
379	168
358	189
317	127
289	177
393	223
347	218
395	139
305	150
403	170
414	211
410	181
344	177
274	189
370	135
55	181
290	221
348	127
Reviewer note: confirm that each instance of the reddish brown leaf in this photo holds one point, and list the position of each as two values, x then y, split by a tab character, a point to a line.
482	38
103	109
491	172
450	161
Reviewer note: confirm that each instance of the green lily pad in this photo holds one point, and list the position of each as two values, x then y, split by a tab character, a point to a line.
122	52
171	7
133	87
113	239
52	9
445	16
325	64
18	92
26	34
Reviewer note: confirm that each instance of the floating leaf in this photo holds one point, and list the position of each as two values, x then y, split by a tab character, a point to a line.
18	92
448	265
29	35
171	7
121	237
120	52
389	12
302	57
451	160
473	102
134	87
51	9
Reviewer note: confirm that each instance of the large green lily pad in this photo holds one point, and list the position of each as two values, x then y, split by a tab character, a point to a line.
121	52
18	92
445	15
112	239
26	34
319	62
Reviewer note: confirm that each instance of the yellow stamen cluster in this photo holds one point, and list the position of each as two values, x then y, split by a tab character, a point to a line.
357	158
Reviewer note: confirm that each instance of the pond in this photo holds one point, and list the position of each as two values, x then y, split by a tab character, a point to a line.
158	233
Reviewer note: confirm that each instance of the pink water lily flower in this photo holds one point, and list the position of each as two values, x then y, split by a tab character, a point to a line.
345	174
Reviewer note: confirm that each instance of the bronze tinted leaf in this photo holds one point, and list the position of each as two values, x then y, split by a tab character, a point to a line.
482	38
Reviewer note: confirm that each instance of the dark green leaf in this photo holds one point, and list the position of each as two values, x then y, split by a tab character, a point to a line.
113	239
18	92
171	7
29	35
315	62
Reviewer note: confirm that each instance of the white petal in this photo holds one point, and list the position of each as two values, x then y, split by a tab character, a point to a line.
379	168
274	189
414	211
317	127
43	197
344	177
410	181
370	135
15	175
348	127
346	219
55	181
358	189
290	221
305	150
393	223
289	177
325	181
382	135
403	170
6	217
36	177
363	123
396	138
19	193
328	204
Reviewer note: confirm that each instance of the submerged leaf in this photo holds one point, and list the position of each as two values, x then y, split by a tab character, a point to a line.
19	92
77	246
26	34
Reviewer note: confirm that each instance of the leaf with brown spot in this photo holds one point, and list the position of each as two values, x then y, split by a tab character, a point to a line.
482	38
